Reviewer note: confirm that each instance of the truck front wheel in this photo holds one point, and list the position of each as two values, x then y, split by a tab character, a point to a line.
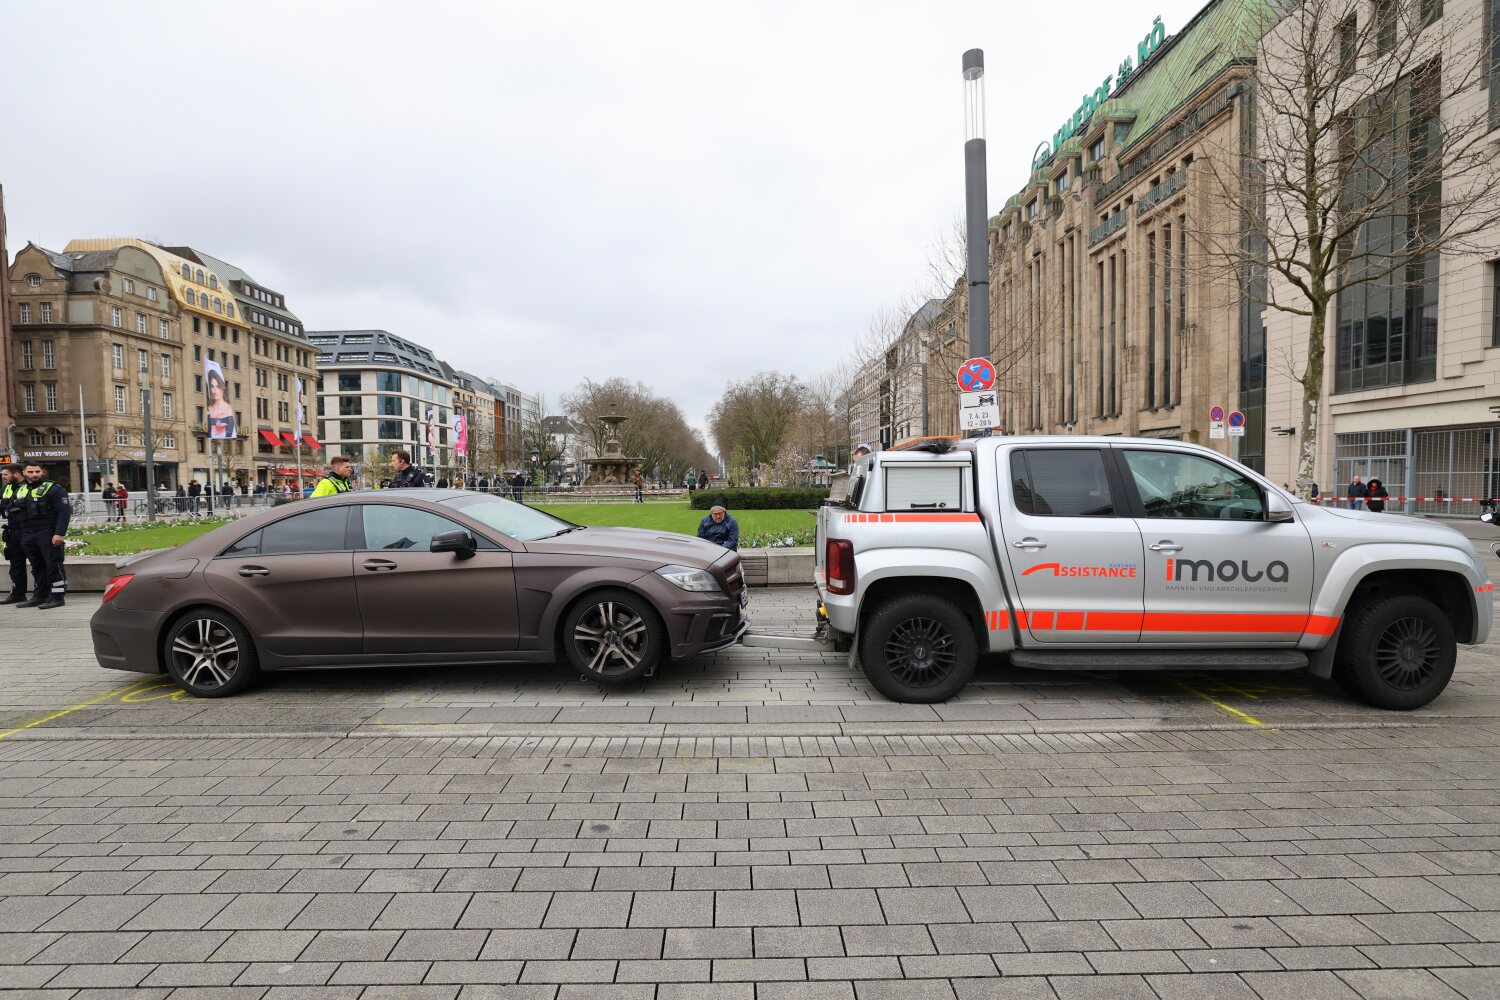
1396	652
918	649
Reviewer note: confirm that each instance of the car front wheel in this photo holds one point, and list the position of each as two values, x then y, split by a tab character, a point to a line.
613	637
918	649
209	654
1396	652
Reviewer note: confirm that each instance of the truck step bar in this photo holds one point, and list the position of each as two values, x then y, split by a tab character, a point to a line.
1159	659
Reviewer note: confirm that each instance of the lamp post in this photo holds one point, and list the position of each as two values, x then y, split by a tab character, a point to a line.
535	456
976	205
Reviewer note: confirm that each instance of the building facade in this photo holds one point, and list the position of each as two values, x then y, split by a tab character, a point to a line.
1411	387
1100	322
102	327
379	393
521	414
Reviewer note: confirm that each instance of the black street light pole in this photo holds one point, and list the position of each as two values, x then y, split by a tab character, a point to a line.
976	205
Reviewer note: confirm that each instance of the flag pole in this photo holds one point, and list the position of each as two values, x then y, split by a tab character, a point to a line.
83	442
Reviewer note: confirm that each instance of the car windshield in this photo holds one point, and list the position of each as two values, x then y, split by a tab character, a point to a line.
518	521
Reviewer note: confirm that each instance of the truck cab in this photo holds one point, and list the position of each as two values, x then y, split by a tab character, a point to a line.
1133	554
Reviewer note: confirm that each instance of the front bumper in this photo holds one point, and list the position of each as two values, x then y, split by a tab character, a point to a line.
126	640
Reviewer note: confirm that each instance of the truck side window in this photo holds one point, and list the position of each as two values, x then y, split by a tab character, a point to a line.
938	488
1061	482
1174	484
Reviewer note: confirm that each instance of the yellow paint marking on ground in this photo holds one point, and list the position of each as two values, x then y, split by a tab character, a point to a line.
1216	703
154	692
133	685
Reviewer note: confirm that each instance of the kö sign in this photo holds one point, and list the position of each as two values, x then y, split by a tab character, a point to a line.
1144	50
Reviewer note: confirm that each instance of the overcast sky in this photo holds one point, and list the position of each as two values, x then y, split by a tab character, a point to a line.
681	193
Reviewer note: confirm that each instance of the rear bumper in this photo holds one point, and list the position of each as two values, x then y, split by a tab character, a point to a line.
126	640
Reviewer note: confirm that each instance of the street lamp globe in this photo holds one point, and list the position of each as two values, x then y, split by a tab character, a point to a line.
974	94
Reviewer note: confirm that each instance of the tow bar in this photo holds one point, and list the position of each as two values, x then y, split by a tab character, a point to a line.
823	639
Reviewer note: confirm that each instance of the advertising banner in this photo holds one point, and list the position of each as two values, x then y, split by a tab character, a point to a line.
219	411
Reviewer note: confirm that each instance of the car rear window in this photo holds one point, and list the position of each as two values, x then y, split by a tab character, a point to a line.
1061	482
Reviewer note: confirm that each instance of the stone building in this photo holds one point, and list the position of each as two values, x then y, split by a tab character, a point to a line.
1099	324
103	319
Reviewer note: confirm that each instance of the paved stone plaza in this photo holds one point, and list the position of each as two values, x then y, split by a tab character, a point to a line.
753	824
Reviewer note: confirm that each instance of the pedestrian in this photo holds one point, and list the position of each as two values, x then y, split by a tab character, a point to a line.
195	494
108	494
337	480
1312	495
11	509
442	484
720	528
703	479
181	500
1375	496
226	494
518	488
484	483
1356	493
122	500
408	476
44	522
640	485
692	482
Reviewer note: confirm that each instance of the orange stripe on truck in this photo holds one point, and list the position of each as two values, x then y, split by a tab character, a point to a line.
1165	622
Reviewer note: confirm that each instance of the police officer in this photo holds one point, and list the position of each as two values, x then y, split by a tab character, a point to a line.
10	508
337	480
44	521
408	476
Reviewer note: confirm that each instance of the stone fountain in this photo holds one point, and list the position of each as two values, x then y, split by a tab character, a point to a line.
613	468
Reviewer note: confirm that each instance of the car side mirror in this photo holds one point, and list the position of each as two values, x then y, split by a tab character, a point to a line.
1278	511
457	541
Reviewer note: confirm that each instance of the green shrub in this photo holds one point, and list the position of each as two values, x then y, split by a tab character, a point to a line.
762	498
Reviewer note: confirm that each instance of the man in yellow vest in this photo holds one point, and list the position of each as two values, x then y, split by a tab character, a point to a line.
11	497
337	480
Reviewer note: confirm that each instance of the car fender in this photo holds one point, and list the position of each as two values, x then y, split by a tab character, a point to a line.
874	565
1359	562
559	595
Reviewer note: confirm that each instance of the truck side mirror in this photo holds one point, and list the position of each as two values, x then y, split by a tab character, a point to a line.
1278	511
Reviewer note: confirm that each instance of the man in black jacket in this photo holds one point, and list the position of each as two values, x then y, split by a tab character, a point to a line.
45	514
408	476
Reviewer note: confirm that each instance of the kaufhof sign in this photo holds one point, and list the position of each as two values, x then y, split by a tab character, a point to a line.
1144	50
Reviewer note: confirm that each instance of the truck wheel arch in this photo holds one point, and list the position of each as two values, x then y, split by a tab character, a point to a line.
1449	590
958	591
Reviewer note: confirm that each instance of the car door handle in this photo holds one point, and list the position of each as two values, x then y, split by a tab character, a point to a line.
254	571
379	564
1029	543
1165	546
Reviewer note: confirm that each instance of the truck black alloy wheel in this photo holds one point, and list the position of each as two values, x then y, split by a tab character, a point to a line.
613	636
918	649
1396	652
209	654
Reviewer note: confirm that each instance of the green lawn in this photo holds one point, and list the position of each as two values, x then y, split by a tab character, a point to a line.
677	517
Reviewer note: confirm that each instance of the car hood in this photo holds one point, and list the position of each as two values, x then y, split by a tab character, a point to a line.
634	543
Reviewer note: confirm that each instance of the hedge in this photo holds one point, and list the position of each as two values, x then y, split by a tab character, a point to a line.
762	498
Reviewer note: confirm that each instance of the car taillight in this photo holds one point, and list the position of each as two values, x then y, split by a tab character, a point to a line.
117	584
839	566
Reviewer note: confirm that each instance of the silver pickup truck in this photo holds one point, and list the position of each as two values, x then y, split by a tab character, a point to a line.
1076	553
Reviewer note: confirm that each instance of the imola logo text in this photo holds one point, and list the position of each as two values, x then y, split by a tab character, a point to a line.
1224	572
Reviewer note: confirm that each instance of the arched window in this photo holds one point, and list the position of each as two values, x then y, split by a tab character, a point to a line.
58	437
200	275
34	281
187	273
218	304
36	439
213	281
192	297
229	309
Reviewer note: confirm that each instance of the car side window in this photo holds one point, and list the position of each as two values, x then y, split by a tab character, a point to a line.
315	531
1061	482
391	526
1177	485
247	546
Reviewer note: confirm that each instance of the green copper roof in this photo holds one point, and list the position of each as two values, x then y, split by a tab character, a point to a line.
1224	32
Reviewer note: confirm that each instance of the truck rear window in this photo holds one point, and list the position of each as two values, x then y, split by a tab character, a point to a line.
924	488
1061	482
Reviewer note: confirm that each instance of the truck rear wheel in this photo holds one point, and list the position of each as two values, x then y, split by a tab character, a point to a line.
918	649
1396	652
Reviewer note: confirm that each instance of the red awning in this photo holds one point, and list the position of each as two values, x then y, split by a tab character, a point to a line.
289	438
311	441
270	438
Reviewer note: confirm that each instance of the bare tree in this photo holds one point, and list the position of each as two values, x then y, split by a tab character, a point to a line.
757	414
1370	164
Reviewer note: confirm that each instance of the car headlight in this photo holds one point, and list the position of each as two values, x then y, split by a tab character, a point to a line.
687	578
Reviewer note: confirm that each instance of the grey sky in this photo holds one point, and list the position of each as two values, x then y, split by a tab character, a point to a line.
680	193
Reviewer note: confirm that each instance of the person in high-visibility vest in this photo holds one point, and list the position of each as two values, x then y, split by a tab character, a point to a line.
10	509
337	480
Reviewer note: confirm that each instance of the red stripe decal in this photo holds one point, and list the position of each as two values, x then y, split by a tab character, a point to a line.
1070	621
1041	620
1114	621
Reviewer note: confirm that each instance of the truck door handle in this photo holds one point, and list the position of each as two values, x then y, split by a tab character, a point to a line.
1165	546
1029	543
379	564
254	571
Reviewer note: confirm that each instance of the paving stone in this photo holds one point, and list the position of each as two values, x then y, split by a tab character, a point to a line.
1397	984
838	906
755	908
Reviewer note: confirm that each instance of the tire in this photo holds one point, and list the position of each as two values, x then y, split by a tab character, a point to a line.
918	649
613	636
232	669
1396	652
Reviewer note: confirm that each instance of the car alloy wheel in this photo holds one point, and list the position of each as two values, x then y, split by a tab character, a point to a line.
611	638
920	652
1407	653
205	654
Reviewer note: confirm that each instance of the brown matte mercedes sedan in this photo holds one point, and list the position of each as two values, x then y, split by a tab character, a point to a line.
419	577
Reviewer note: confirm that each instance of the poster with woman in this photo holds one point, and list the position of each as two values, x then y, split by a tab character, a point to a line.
301	407
431	435
460	436
220	412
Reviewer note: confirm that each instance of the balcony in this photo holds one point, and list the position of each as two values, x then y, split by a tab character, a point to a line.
1161	191
1108	227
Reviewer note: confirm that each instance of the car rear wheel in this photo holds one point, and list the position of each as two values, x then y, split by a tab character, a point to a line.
209	654
918	649
614	636
1396	652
